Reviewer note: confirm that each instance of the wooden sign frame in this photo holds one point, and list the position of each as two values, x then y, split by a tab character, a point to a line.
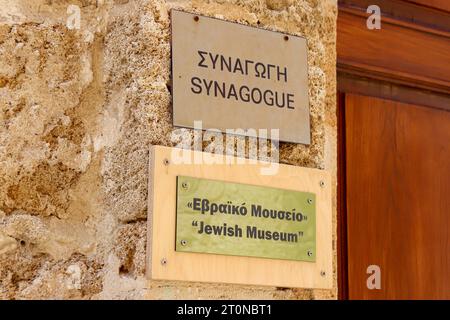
164	263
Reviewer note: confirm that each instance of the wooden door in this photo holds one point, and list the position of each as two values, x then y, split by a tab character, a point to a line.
393	148
398	198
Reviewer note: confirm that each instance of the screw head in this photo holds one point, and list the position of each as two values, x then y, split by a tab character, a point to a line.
310	201
166	162
196	18
183	242
309	253
322	273
322	183
286	38
163	261
184	185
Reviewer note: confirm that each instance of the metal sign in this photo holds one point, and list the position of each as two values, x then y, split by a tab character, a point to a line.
232	76
245	220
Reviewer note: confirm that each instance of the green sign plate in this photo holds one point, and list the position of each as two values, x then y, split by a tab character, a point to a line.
245	220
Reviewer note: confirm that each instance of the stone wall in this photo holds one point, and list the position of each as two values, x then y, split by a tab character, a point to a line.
78	110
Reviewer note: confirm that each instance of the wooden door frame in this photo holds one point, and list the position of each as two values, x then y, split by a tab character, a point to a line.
342	257
363	72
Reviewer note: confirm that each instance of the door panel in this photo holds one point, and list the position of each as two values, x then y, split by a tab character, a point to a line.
436	4
398	198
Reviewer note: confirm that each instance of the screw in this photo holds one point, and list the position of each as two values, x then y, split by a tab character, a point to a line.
184	185
166	162
310	201
163	261
183	242
322	273
309	253
286	38
322	183
196	18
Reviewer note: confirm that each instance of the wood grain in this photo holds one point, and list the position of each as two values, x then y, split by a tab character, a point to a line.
342	258
436	4
398	204
396	53
349	83
403	13
233	269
